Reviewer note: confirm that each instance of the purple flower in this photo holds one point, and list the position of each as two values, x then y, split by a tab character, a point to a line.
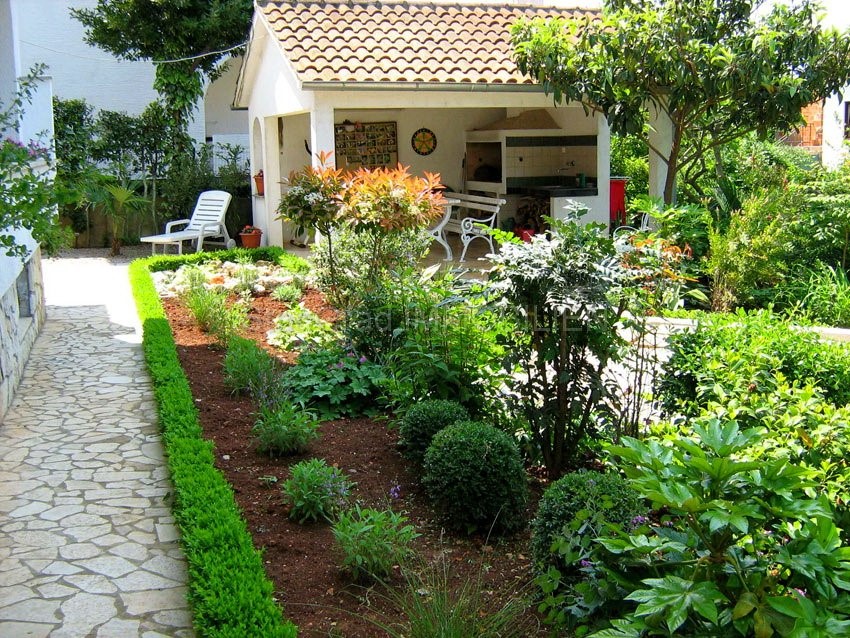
395	491
362	360
340	365
639	520
585	563
351	354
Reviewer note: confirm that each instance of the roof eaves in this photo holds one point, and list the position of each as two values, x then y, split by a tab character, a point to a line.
466	87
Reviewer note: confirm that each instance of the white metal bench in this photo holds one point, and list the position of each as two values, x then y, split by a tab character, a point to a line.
463	215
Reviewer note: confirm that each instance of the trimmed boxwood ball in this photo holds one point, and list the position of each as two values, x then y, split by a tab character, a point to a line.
608	494
423	420
474	475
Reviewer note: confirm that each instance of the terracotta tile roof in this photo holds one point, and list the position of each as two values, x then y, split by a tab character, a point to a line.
402	41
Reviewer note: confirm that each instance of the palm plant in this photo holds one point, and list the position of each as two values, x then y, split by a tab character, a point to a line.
116	199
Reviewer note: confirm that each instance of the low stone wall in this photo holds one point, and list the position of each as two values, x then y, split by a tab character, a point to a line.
18	334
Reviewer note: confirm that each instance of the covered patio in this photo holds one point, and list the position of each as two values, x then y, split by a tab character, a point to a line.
427	85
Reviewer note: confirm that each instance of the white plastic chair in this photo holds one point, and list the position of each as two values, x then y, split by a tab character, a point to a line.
207	221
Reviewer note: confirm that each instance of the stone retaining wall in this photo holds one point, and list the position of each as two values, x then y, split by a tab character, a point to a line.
17	334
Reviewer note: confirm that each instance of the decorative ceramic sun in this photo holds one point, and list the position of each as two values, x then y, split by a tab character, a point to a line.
424	141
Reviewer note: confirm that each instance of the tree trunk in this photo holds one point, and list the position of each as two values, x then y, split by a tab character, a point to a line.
673	167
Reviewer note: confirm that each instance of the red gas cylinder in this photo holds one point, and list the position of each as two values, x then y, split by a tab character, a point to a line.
618	201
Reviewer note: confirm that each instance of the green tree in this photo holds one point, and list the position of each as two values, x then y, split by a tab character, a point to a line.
171	30
716	70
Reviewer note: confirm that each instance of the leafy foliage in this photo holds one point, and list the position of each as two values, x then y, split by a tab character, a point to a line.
313	196
171	30
391	199
287	293
741	547
715	70
355	255
298	328
803	428
474	474
316	491
335	382
821	296
434	336
249	368
215	313
285	428
26	190
574	498
372	541
423	420
725	354
558	290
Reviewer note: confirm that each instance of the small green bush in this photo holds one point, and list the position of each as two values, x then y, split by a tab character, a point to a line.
299	327
215	313
316	490
287	293
247	367
590	493
335	382
728	353
424	420
285	428
474	474
372	541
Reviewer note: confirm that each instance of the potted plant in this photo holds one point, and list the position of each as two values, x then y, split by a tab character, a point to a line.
250	236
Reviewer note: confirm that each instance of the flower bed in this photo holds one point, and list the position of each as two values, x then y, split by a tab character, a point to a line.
301	560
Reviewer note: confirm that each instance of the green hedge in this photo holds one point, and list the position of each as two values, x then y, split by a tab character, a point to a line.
230	594
273	254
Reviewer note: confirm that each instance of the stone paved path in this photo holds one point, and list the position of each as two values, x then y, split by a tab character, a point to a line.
87	543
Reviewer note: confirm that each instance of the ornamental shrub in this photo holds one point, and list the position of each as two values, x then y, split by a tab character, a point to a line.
335	382
725	354
607	497
316	490
424	420
474	474
372	541
247	367
299	327
286	428
743	545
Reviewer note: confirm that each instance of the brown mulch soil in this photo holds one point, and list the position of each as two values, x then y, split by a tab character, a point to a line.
302	560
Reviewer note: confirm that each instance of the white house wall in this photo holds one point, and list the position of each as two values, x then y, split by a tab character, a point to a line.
8	57
449	125
221	118
18	333
50	35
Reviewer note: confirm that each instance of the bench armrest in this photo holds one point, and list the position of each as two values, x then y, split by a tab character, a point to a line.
176	222
468	225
